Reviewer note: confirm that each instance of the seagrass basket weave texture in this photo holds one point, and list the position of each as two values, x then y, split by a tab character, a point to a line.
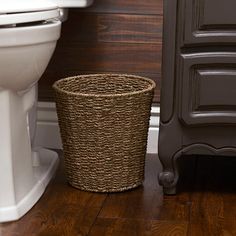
104	122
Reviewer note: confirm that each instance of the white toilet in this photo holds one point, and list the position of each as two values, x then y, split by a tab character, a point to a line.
29	31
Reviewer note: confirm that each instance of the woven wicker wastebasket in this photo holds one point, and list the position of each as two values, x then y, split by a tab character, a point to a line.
104	123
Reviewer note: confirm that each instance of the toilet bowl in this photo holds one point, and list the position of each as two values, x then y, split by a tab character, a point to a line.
29	32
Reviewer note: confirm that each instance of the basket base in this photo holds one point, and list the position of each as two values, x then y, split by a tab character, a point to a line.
109	190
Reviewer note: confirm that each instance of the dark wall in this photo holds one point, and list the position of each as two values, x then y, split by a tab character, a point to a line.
120	36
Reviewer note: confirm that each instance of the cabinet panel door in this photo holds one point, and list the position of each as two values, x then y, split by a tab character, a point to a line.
208	88
208	21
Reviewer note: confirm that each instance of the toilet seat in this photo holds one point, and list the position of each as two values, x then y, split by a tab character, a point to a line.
26	11
19	18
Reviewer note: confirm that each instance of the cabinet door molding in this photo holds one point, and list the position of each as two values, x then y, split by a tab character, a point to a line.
209	21
208	88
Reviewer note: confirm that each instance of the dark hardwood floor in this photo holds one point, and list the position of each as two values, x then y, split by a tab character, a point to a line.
205	205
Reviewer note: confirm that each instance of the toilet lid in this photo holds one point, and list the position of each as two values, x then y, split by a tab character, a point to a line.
26	11
14	6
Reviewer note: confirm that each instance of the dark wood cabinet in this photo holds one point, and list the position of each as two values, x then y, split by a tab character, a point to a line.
198	97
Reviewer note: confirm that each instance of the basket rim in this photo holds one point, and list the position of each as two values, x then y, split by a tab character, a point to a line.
151	86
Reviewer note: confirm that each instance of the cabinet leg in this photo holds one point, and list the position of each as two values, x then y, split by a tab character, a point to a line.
169	149
168	178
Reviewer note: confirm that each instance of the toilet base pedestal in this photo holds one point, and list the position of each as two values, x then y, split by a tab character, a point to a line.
48	162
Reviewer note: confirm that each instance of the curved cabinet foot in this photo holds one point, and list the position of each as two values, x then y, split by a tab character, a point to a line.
168	180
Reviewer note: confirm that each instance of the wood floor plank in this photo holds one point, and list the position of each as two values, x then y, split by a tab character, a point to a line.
229	217
143	202
134	204
213	202
128	227
169	228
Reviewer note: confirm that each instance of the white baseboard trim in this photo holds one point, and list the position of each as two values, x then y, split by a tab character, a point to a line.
48	134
